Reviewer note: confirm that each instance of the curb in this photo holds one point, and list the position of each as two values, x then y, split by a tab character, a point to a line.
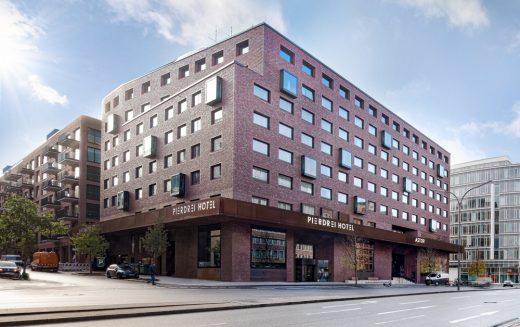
63	316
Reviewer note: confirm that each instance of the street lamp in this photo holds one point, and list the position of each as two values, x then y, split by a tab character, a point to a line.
459	208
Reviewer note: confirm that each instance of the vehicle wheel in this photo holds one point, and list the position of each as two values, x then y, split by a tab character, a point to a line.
119	276
108	275
436	283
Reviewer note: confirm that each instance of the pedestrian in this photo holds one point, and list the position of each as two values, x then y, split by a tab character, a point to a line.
152	274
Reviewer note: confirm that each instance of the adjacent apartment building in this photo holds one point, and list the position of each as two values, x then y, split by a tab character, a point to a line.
489	218
262	162
62	176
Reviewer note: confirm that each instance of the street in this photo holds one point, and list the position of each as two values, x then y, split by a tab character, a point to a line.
48	292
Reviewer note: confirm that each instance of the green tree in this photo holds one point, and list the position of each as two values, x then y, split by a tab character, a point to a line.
20	225
477	268
155	241
90	243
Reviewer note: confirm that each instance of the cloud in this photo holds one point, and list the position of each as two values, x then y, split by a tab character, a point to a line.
193	23
46	93
515	43
414	89
461	152
508	128
459	13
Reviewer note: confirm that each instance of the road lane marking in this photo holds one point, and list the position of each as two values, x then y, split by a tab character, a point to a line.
460	297
396	320
473	317
508	300
415	302
470	307
403	310
348	305
334	311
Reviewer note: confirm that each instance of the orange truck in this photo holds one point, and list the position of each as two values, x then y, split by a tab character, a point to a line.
45	261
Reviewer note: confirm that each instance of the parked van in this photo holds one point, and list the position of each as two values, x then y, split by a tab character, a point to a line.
438	278
45	261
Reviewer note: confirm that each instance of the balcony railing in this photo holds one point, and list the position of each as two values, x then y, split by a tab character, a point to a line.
51	185
50	203
26	183
27	170
12	176
67	196
51	151
68	158
68	177
66	215
68	140
50	168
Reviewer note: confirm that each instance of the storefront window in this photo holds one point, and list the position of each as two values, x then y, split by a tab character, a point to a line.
209	247
268	248
365	256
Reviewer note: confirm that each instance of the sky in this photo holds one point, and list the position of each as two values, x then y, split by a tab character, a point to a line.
451	68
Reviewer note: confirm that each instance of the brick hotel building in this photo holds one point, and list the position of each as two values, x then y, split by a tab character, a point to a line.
261	161
62	177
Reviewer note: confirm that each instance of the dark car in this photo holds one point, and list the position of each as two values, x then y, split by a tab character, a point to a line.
482	282
122	271
508	283
9	269
12	257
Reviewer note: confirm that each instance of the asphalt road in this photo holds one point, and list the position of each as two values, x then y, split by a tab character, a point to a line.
65	290
471	309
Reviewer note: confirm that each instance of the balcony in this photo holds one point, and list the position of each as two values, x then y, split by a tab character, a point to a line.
14	187
4	182
26	170
51	185
50	168
49	203
26	183
12	176
68	158
51	151
67	215
67	196
68	141
68	178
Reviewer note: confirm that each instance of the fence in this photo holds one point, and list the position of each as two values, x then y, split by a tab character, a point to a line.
74	266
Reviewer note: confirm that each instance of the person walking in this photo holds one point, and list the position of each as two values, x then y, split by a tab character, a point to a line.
152	274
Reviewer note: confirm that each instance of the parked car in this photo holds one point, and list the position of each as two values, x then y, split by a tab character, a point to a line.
482	282
508	282
438	278
12	257
123	270
9	269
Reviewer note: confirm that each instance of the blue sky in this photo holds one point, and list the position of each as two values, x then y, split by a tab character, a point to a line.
449	67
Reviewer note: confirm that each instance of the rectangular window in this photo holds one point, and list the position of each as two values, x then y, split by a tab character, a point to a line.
358	182
242	48
259	200
168	137
200	65
182	131
138	171
126	156
261	147
359	122
285	181
285	156
358	142
344	92
93	155
94	136
372	130
152	167
195	177
345	158
372	111
307	140
260	174
165	79
326	148
196	125
343	134
182	106
145	107
216	143
139	128
327	81
288	83
326	170
261	120
168	113
129	94
343	113
154	120
358	102
308	69
218	58
326	193
307	116
342	198
268	249
285	130
261	93
286	55
286	105
184	71
208	246
152	189
196	99
285	206
216	171
195	151
306	187
181	156
308	92
308	167
326	126
168	161
326	103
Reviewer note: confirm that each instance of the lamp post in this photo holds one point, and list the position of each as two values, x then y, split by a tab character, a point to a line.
459	208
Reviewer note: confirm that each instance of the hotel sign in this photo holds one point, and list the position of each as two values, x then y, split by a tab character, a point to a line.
193	208
332	224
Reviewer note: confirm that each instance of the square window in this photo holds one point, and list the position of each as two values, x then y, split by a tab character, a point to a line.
358	182
285	181
327	81
261	93
307	140
342	177
261	147
358	142
218	58
326	126
326	193
306	187
358	102
184	71
260	174
243	48
307	116
308	69
372	111
200	65
286	105
308	92
326	103
285	130
343	134
261	120
326	170
344	92
359	122
285	156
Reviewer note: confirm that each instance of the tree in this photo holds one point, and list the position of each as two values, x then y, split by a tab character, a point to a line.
155	241
20	225
90	243
429	260
353	258
477	268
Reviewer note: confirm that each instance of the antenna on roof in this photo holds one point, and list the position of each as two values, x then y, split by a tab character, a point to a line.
215	39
